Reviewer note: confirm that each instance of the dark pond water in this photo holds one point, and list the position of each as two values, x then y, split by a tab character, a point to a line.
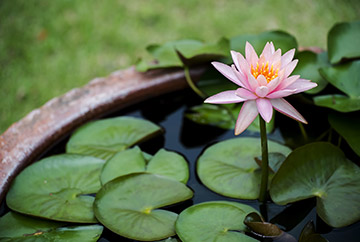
190	139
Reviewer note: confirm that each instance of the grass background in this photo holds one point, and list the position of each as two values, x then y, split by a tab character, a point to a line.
49	47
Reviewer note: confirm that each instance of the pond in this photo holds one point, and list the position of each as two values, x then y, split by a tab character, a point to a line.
190	139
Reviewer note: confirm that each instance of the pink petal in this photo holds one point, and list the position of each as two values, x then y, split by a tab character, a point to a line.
253	83
288	81
268	51
226	71
281	93
245	94
240	77
250	54
246	116
262	80
287	57
262	91
241	64
224	98
302	85
273	84
276	57
265	108
284	107
290	67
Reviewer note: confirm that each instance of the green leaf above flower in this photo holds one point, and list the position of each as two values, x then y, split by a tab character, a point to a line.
320	170
180	52
344	41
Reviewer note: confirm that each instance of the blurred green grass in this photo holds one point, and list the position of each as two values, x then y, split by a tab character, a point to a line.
49	47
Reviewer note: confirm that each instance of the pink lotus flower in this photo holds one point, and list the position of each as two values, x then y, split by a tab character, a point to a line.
263	83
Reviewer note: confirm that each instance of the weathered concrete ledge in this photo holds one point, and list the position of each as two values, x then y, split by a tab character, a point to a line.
24	141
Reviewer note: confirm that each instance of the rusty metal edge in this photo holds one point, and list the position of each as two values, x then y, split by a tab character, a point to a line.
24	141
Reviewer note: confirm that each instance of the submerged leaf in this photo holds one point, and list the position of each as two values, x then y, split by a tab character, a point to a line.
104	138
57	188
320	170
308	234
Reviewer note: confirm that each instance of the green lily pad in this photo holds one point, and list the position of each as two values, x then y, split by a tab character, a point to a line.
57	188
281	40
338	102
104	138
348	127
165	163
128	205
308	68
16	227
344	41
180	52
213	221
320	170
229	167
345	77
222	116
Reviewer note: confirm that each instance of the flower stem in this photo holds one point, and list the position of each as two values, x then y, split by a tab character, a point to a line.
192	84
264	162
303	132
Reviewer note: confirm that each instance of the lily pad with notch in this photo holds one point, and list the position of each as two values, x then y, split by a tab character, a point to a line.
17	227
129	205
165	163
346	78
58	188
344	41
229	167
214	221
104	138
320	170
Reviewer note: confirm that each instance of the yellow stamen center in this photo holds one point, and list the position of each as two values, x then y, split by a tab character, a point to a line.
265	70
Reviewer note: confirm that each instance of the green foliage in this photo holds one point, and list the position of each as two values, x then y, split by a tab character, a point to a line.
229	167
58	188
129	205
214	221
104	138
16	227
320	170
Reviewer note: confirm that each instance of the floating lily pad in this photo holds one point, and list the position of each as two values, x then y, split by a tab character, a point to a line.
338	102
229	167
281	40
348	127
176	53
308	234
320	170
308	68
128	205
165	163
258	226
57	188
222	116
344	41
213	221
104	138
16	227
